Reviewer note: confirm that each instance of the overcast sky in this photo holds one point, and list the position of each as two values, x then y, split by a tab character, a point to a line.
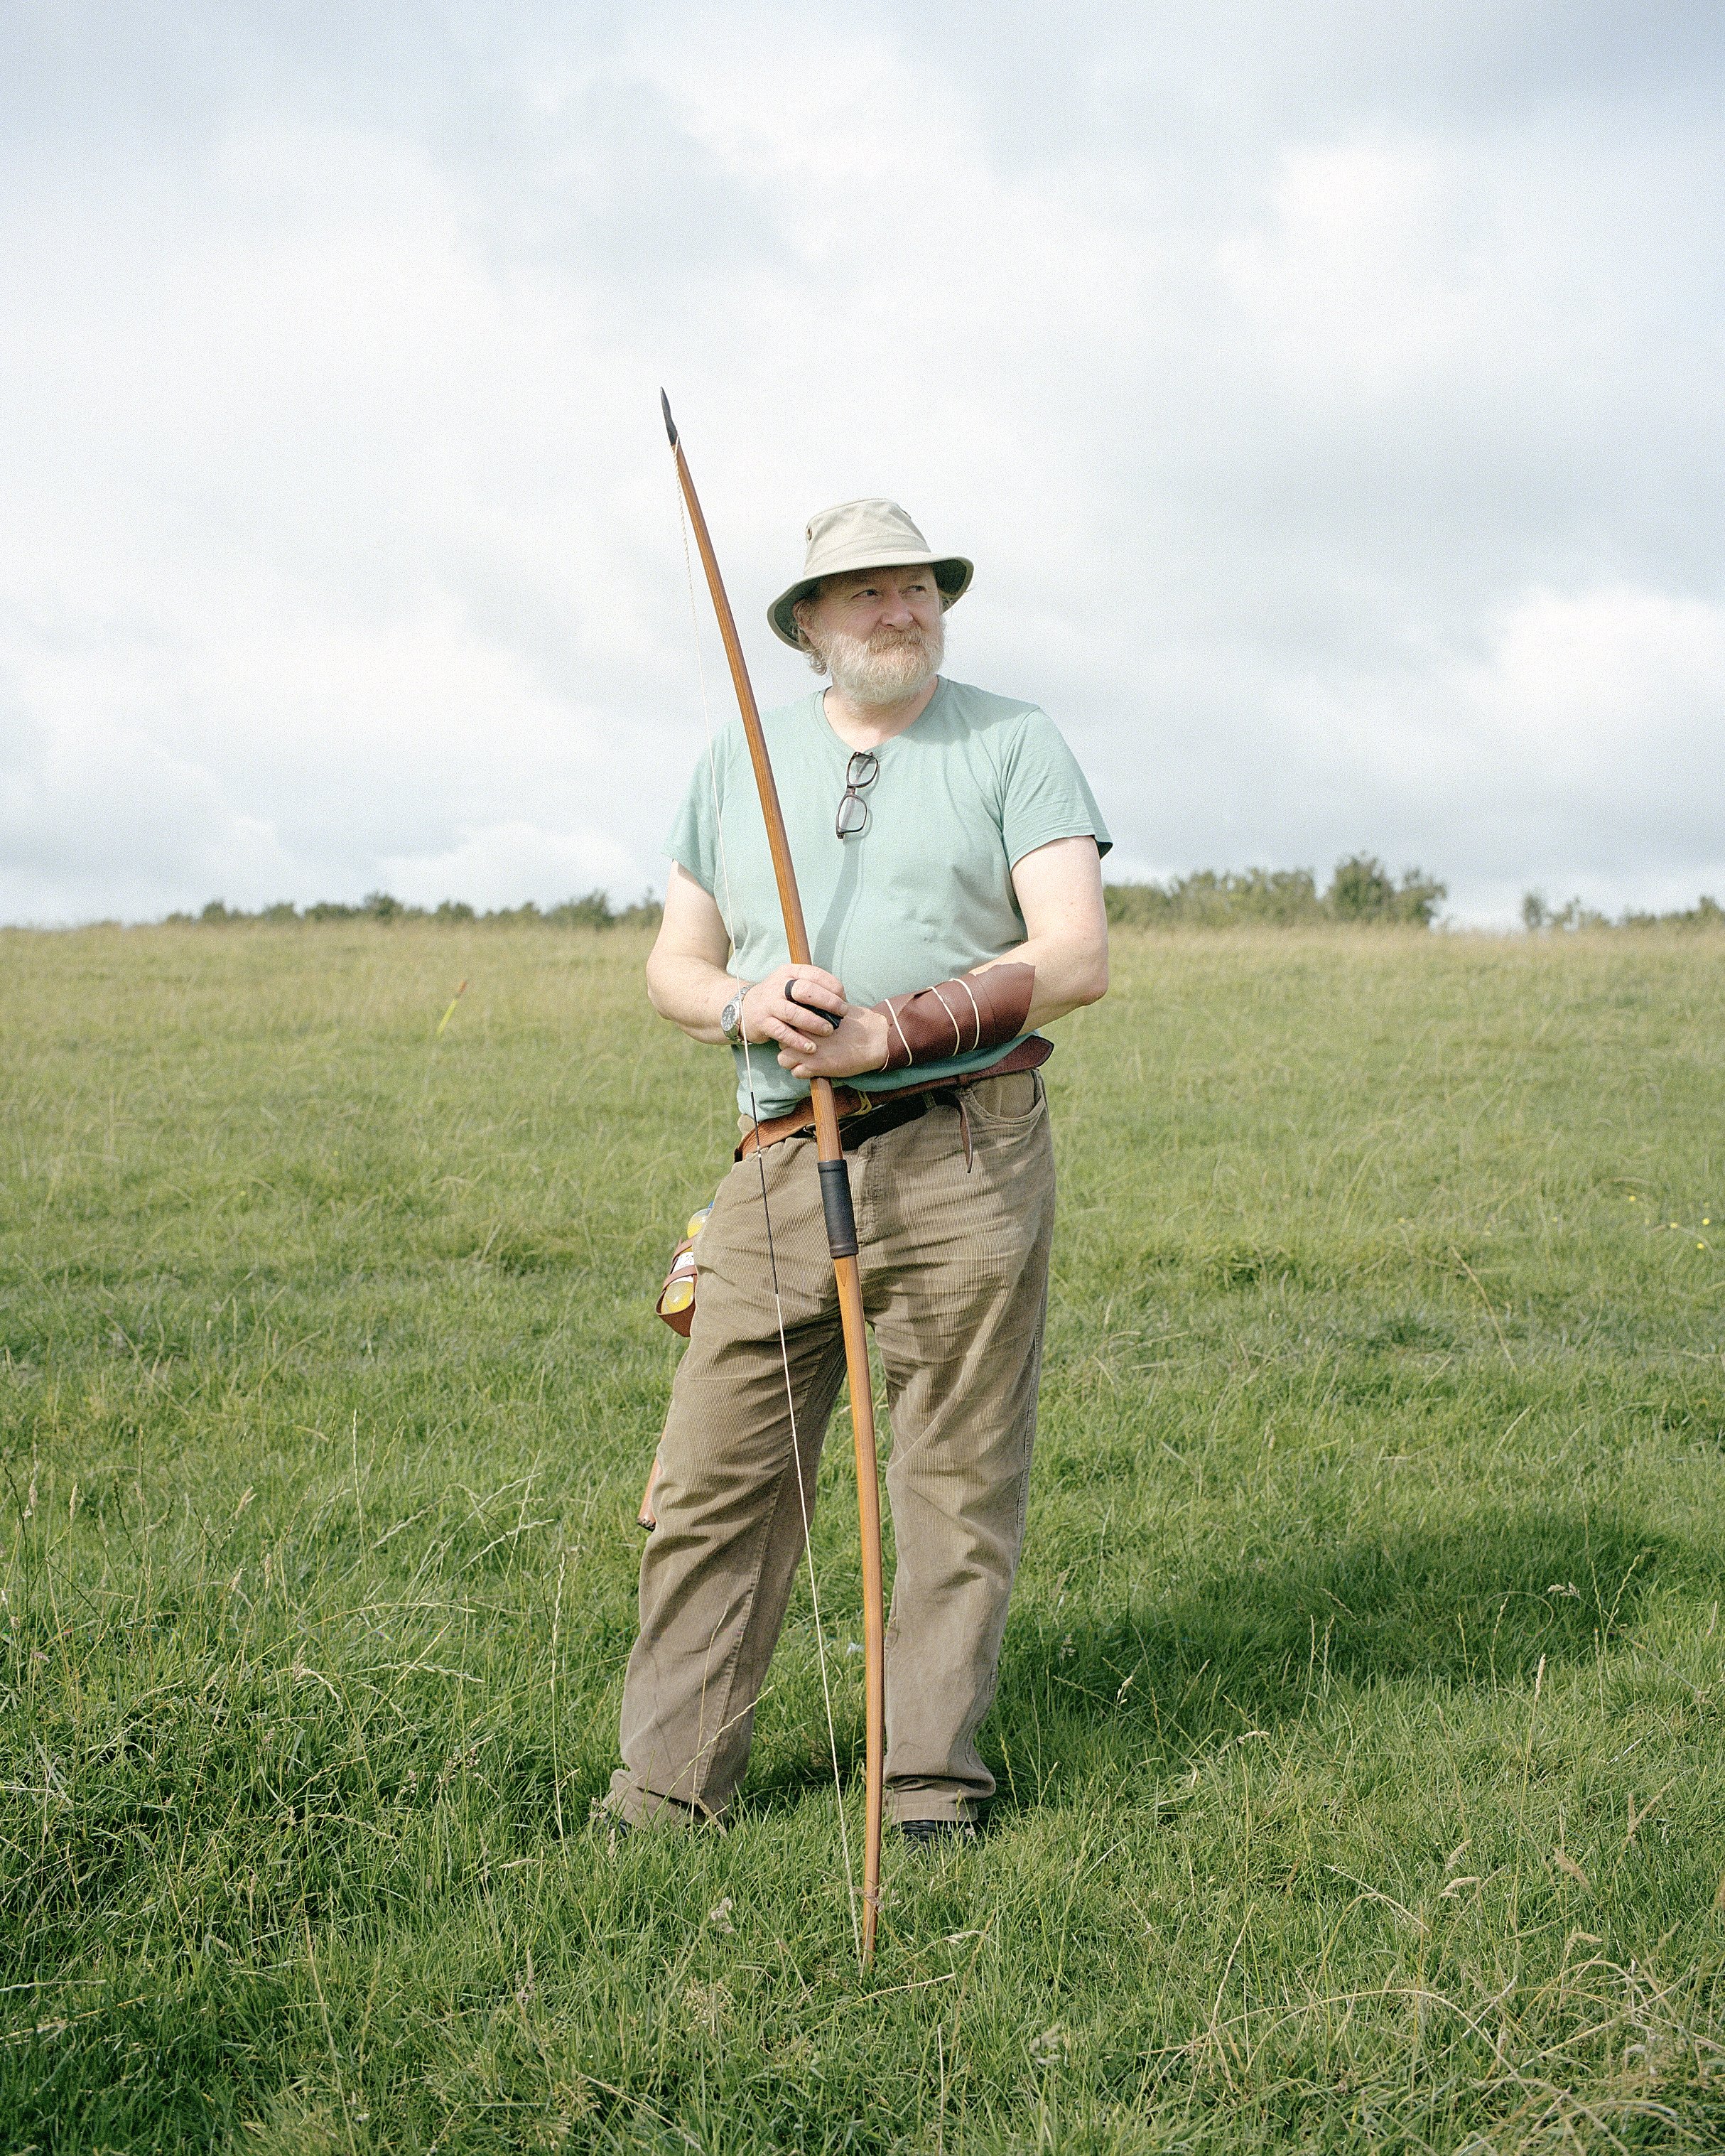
1333	398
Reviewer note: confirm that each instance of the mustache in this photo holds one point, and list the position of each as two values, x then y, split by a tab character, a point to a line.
888	663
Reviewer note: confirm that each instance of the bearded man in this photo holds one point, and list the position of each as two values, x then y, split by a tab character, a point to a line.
949	851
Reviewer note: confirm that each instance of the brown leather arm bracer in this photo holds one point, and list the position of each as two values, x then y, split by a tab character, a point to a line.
955	1018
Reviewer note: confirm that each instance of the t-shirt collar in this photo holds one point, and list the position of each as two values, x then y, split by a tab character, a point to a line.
844	749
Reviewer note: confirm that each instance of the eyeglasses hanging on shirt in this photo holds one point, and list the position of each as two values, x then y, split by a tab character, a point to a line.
853	818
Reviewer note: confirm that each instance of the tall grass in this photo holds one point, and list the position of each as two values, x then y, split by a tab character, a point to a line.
1359	1731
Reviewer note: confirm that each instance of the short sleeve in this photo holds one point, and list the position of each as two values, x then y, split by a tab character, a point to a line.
1044	794
693	842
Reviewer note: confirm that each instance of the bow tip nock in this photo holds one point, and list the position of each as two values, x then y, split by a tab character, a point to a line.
670	424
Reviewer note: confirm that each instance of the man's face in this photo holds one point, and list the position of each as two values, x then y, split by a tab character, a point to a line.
879	632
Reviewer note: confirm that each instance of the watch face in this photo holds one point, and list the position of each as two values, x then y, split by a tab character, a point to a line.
731	1016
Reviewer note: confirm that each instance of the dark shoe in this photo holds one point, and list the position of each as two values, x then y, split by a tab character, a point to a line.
937	1834
611	1827
666	1814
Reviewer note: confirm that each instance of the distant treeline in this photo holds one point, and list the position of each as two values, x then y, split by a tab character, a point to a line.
1541	918
1361	890
595	910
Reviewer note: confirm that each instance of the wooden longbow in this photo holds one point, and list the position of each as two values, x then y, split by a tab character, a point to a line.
840	1223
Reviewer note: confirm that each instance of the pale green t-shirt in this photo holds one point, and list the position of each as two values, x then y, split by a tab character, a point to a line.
925	893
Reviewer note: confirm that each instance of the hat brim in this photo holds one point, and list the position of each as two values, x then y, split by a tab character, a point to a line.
952	572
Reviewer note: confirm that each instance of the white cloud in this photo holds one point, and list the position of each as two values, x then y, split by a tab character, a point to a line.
492	866
1603	712
1335	418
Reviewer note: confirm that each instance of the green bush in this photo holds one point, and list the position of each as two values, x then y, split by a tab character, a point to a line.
1361	890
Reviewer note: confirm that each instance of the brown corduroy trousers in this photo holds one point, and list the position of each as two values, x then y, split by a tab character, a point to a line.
954	1264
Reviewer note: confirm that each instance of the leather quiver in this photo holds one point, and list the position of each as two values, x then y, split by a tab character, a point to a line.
676	1298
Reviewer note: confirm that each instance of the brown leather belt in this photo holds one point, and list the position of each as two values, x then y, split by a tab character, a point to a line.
864	1116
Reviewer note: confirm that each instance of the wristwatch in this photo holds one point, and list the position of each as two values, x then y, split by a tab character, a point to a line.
731	1018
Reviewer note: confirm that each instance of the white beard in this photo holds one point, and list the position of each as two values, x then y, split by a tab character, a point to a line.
887	668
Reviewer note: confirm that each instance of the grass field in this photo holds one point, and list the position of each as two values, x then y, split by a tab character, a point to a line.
1360	1733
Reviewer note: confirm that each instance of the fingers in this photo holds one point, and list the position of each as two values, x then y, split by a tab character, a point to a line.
797	1006
849	1051
790	1006
770	1017
791	1037
824	1063
810	988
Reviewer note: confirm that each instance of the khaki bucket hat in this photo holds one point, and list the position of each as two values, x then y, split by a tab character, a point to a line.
864	535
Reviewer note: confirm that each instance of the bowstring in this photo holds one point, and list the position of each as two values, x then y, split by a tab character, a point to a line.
727	914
